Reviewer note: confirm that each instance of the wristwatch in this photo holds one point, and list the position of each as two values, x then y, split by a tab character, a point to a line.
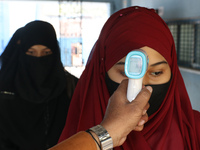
104	137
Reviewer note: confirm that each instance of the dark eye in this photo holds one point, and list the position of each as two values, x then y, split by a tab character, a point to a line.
30	52
156	73
123	73
48	52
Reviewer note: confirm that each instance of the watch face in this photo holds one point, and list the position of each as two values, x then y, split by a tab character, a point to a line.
104	137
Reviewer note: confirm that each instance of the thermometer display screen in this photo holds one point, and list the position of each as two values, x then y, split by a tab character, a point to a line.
135	67
136	64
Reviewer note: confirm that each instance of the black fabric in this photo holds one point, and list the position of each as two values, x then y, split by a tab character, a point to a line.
156	99
39	79
9	62
157	96
35	98
111	85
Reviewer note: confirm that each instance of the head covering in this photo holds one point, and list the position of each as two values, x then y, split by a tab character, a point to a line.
8	62
33	98
30	75
173	125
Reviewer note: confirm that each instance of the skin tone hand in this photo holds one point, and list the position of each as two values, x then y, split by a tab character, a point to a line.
122	116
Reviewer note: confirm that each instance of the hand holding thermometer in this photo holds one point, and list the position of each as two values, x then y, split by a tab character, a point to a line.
136	64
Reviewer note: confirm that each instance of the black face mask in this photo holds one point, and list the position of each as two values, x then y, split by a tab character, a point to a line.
33	78
157	96
111	85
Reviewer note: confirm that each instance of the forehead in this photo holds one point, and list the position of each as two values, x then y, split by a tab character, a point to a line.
38	47
152	54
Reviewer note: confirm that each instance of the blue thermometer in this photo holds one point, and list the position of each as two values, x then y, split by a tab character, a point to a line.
136	64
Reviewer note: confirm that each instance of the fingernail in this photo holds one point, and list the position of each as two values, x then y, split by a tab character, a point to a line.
144	112
141	123
149	88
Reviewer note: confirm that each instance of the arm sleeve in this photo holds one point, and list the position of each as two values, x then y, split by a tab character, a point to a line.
80	141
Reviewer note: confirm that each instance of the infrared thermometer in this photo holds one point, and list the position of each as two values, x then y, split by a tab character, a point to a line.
135	67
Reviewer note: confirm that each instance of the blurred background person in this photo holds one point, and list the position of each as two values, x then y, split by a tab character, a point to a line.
35	90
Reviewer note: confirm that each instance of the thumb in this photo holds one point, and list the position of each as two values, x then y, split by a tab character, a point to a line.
143	97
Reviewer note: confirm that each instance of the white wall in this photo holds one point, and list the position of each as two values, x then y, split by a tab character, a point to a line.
173	9
192	83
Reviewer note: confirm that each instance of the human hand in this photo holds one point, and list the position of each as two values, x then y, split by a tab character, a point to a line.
122	116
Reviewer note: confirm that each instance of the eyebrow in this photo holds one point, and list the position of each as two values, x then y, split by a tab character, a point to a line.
120	63
159	63
155	64
41	49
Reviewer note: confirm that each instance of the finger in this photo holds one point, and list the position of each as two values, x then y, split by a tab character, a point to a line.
143	120
139	128
143	97
141	123
122	88
146	108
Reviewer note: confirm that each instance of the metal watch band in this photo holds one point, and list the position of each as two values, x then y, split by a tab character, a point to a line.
104	137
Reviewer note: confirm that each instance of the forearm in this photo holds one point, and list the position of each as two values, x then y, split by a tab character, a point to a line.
80	141
96	139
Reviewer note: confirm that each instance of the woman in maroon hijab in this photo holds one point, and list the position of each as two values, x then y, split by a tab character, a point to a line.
172	124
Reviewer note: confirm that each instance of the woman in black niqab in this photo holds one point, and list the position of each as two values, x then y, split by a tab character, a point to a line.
35	91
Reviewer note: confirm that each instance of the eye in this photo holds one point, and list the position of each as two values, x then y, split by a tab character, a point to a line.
48	52
157	73
123	73
30	52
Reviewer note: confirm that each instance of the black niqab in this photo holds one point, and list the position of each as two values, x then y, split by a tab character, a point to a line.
9	62
39	79
33	91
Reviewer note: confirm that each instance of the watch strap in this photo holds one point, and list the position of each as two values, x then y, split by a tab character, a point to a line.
104	137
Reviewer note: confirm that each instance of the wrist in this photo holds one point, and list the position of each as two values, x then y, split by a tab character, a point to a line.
117	133
95	138
102	137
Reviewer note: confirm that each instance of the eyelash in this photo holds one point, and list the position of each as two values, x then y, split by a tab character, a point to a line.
30	52
156	73
123	73
48	52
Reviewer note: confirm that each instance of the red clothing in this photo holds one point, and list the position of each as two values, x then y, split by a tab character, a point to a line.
175	125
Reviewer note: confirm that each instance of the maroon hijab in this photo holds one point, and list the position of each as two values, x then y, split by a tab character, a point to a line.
173	126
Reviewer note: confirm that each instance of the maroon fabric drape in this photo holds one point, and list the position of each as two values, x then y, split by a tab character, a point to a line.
173	126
